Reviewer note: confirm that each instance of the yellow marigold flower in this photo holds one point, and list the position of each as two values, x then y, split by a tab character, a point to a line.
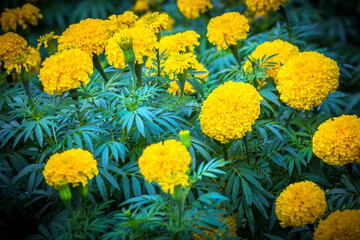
116	23
299	204
178	63
184	42
338	225
192	8
30	59
284	51
264	6
36	57
27	14
11	44
170	24
166	163
155	21
174	87
229	111
230	222
307	79
337	141
227	29
141	6
45	39
66	70
90	35
74	166
144	44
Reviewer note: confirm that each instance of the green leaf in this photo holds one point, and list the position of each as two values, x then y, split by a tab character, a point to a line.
247	191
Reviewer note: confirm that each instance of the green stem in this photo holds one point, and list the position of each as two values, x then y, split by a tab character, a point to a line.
284	15
247	146
26	85
234	51
158	62
97	65
181	83
133	74
138	72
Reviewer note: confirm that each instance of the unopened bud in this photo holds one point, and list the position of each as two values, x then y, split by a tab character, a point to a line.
184	136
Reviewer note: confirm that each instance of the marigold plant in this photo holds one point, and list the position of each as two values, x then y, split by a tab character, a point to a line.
183	42
192	8
141	6
166	163
29	59
299	204
11	44
282	50
90	35
230	222
343	225
116	23
74	166
337	141
227	29
66	70
155	21
307	79
178	63
229	111
264	6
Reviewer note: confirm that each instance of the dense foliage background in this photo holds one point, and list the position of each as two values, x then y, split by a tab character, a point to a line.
116	124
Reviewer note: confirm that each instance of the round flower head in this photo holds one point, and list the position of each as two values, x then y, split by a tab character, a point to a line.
337	141
264	6
284	51
307	79
338	225
27	14
74	166
170	24
141	6
144	43
192	8
300	204
155	21
11	44
166	163
184	42
66	70
229	111
29	59
227	29
36	57
178	63
115	23
188	88
90	35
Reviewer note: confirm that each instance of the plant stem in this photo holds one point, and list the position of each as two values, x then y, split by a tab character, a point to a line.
284	15
247	146
97	65
138	72
234	51
26	85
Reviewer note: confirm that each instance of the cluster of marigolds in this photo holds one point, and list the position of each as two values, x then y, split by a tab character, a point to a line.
303	80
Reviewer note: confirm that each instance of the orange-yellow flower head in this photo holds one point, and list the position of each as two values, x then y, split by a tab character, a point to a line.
66	70
283	50
116	23
338	225
72	166
179	63
155	21
45	39
144	44
141	6
229	111
90	35
184	42
227	29
27	14
337	141
192	8
307	79
11	44
29	59
299	204
166	163
264	6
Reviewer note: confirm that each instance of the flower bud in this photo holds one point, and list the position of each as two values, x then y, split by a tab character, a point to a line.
184	136
125	44
64	190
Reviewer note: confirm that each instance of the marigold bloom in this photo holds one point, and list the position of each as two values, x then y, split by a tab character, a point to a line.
65	70
284	51
337	141
90	35
27	14
174	87
227	29
230	222
74	166
29	59
144	45
184	42
307	79
166	163
192	8
343	225
264	6
178	63
155	21
115	23
11	44
299	204
170	24
141	6
45	39
229	111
